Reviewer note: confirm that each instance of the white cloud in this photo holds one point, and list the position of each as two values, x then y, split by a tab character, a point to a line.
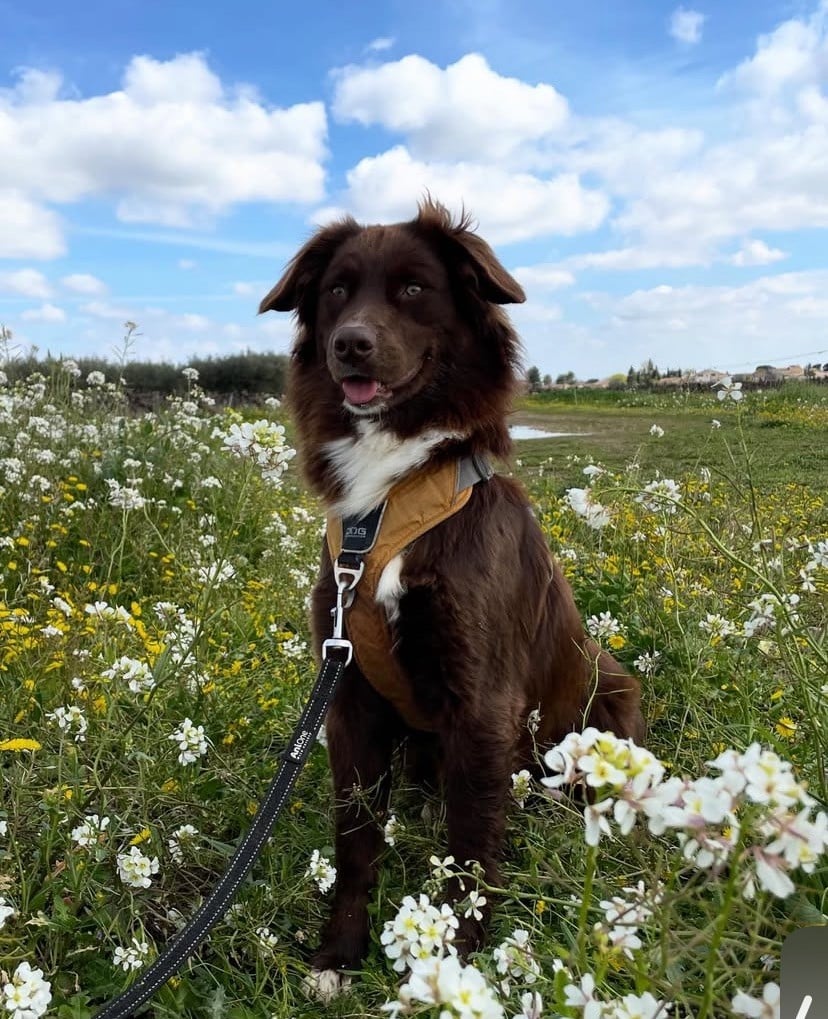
757	253
45	313
686	25
27	230
544	276
378	45
174	145
186	263
792	56
243	289
464	111
771	319
84	283
25	283
509	206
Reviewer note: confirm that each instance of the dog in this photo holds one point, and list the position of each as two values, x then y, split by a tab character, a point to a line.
403	358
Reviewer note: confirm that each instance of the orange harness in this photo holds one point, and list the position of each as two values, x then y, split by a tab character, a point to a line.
417	503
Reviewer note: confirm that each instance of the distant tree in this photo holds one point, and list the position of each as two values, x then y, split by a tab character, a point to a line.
533	379
547	381
566	379
618	381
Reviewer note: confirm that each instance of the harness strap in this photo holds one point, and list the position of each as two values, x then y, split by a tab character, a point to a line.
416	504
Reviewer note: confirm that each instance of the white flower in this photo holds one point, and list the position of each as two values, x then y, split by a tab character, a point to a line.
137	674
715	423
418	930
27	995
581	501
96	379
657	431
190	374
531	1006
70	719
262	441
662	495
392	828
647	663
521	786
476	904
596	822
182	836
321	871
444	980
603	625
132	957
90	832
717	626
765	1008
730	388
644	1006
441	869
6	911
191	741
583	996
266	938
135	869
514	960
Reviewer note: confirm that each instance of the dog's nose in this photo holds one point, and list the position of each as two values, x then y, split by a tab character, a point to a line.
353	344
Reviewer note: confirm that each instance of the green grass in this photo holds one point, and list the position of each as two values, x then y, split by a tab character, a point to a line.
225	654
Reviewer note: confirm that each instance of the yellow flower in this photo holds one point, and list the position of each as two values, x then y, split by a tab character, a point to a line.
142	836
19	744
540	907
616	642
786	727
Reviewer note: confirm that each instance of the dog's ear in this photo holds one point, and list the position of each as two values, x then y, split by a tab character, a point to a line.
307	265
477	262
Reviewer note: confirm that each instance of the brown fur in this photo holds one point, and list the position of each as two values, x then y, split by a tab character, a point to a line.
488	629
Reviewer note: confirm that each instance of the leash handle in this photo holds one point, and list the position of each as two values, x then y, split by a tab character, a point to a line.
217	903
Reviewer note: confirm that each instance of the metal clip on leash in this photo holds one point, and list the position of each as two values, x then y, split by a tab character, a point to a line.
337	652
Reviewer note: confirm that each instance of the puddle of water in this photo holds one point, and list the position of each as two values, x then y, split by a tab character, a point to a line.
527	432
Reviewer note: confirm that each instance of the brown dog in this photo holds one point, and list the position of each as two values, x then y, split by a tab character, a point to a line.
403	358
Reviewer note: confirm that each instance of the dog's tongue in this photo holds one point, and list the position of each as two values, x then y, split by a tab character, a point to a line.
360	390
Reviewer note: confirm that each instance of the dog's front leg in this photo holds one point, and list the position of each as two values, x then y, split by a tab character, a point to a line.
478	765
361	729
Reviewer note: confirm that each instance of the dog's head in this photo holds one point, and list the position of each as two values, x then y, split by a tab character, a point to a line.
400	323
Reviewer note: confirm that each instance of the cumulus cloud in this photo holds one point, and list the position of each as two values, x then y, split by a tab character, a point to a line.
449	113
544	276
27	230
174	145
84	283
757	253
686	25
509	206
25	283
45	313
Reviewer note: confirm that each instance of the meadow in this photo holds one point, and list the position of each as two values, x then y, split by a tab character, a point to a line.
154	576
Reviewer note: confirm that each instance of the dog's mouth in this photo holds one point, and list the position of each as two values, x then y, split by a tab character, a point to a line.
364	392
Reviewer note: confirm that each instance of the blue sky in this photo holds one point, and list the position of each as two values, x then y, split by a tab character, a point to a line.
654	174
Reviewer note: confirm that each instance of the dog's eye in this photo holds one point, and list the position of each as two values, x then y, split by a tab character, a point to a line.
339	290
412	289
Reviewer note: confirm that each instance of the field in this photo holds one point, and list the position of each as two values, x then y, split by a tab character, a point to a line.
154	656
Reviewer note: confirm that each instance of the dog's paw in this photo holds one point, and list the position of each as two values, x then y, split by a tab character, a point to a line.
325	984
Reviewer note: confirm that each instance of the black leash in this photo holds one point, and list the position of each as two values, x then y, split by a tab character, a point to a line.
217	903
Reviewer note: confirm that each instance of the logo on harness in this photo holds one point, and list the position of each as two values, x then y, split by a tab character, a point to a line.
356	532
